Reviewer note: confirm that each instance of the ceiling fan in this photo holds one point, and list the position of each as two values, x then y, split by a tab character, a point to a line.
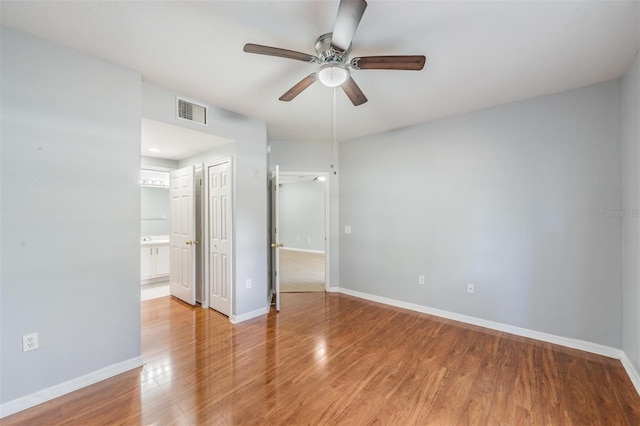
332	53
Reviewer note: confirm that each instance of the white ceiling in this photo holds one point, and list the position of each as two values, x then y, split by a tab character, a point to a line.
162	140
479	53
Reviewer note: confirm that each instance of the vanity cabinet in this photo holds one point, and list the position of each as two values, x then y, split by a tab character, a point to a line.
154	261
146	262
162	261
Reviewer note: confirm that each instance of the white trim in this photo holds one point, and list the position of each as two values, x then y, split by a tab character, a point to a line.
518	331
235	319
303	250
72	385
154	280
270	297
631	372
334	290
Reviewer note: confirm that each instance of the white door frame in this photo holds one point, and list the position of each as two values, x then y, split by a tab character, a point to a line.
327	216
207	265
275	236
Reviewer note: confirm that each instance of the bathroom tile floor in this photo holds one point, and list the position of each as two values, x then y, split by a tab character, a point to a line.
153	291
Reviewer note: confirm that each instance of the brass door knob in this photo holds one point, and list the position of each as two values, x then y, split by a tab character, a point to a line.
274	245
191	242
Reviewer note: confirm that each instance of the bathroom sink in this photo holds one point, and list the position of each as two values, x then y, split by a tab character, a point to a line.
153	240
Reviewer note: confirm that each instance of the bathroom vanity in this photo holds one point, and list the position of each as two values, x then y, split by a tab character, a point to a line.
154	259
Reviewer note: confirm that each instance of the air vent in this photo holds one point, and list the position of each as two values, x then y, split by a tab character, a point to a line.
192	112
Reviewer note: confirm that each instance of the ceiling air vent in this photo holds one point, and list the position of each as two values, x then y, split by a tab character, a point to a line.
192	112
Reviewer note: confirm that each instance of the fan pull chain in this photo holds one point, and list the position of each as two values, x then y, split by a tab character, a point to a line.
334	137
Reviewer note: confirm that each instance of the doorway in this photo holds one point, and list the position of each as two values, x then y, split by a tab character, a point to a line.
303	211
154	233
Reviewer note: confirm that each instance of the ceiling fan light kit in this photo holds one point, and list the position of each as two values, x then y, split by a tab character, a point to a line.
333	75
333	50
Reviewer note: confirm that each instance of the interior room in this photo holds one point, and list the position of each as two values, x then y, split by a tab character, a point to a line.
303	224
466	176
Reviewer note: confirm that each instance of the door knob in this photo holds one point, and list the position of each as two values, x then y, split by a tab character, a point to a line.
274	245
191	242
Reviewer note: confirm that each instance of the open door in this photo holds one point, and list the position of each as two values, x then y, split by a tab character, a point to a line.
275	237
220	235
182	277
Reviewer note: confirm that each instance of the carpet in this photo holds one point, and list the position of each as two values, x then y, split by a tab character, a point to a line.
301	271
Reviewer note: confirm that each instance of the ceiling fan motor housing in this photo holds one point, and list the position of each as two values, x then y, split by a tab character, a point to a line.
329	54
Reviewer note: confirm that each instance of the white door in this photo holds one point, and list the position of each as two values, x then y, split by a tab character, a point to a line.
219	228
275	236
182	237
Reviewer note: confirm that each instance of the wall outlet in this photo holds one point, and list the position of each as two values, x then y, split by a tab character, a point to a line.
347	229
420	279
248	284
29	342
470	288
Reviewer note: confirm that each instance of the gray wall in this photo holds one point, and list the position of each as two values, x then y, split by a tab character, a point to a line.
314	157
70	214
302	213
631	207
512	199
250	182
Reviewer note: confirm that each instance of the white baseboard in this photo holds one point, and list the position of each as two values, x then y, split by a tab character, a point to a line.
631	372
518	331
334	290
235	319
52	392
302	250
155	280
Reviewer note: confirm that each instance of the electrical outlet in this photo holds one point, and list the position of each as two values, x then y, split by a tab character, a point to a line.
470	288
29	342
420	279
248	284
347	229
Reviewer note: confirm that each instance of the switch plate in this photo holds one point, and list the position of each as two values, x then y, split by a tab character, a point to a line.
347	229
420	279
470	288
248	284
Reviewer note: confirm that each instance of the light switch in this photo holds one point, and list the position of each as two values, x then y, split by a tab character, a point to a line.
347	229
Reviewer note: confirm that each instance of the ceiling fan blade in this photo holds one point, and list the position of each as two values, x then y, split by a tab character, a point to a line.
276	51
349	15
298	88
353	92
408	62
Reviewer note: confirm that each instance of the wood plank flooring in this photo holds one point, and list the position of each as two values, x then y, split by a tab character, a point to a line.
334	359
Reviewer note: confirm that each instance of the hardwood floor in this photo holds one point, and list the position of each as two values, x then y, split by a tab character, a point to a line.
335	359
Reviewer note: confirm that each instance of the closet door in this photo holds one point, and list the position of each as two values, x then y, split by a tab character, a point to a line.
220	235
